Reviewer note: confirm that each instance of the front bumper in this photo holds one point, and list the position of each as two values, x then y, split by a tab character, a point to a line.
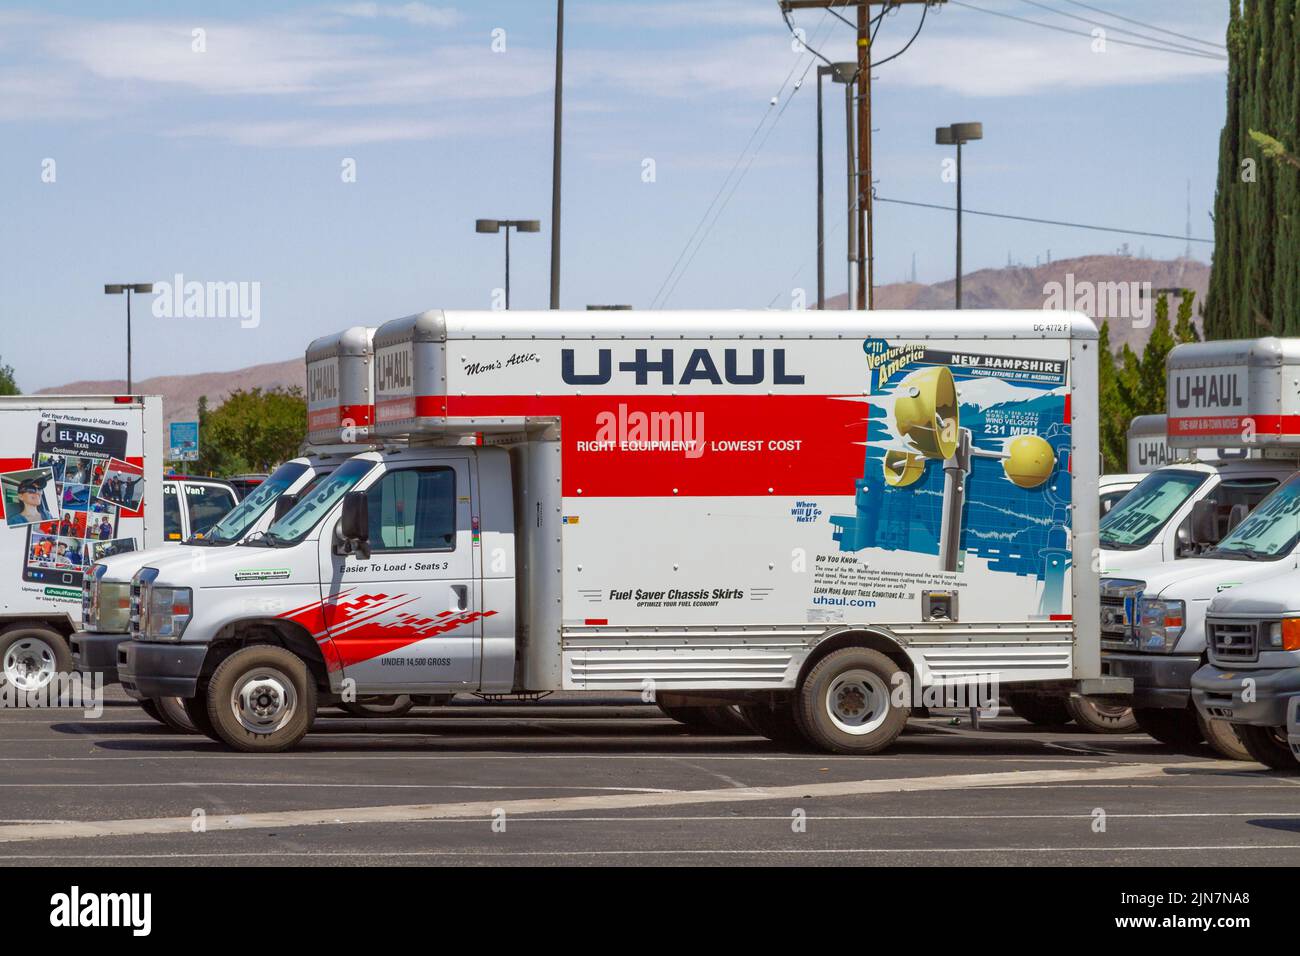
1160	681
160	670
96	653
1218	693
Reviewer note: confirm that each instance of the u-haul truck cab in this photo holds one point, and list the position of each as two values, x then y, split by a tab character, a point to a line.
1147	449
823	524
340	417
1228	395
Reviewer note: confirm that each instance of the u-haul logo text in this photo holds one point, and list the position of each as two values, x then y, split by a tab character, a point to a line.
322	382
393	370
677	367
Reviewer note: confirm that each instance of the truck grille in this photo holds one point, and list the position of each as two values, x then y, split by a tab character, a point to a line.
1118	608
1235	640
134	610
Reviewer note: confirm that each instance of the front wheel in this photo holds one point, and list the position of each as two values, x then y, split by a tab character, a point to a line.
1042	710
31	657
844	704
1102	718
196	709
171	711
1268	746
776	722
262	699
1222	736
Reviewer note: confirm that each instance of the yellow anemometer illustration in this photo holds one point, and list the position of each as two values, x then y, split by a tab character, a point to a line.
927	415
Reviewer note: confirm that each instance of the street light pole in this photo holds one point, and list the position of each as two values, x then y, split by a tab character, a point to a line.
555	155
118	288
852	191
956	135
821	199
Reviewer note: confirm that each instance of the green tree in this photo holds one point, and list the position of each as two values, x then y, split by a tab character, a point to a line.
7	384
1115	414
251	430
1184	329
1255	276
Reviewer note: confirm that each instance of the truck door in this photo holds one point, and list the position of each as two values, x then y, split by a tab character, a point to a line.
408	617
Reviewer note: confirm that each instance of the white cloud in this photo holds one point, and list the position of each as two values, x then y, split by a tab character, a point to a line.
316	132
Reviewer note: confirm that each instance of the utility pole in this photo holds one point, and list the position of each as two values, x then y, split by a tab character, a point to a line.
555	155
861	224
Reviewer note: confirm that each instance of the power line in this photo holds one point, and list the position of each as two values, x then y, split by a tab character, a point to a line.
1046	222
734	166
1149	26
1080	33
1112	29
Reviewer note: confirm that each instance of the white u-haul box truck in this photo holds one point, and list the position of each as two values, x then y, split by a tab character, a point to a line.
340	412
823	513
80	480
1235	396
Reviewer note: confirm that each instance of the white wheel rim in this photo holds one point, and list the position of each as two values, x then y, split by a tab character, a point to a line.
857	702
29	664
263	700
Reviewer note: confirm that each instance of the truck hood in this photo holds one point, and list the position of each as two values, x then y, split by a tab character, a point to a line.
1200	579
1271	598
238	565
122	567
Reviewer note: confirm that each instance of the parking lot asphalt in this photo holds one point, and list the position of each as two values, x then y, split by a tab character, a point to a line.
610	781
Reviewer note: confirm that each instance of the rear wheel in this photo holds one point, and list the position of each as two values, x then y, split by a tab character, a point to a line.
1222	736
261	699
1041	709
844	706
1172	726
1268	746
728	720
380	706
1102	718
693	717
31	657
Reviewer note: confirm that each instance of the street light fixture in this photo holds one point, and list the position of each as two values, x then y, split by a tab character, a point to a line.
499	225
844	73
957	135
144	288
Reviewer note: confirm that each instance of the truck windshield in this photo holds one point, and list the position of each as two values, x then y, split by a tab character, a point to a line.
1144	511
302	517
237	522
1271	531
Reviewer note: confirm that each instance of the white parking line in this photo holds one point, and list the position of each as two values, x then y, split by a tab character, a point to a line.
613	801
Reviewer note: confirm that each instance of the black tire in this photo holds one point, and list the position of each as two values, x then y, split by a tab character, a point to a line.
32	656
1042	710
1099	718
859	683
262	699
171	711
775	722
1176	727
196	709
394	706
434	700
1268	746
150	707
1222	736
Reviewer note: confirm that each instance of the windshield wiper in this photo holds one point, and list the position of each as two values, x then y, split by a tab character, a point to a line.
1249	554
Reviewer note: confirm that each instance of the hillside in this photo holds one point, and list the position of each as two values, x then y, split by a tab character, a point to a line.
1008	288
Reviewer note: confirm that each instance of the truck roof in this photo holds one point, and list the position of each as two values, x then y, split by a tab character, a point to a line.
438	325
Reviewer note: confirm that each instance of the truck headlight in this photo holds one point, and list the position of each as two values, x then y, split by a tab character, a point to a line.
1284	635
105	605
164	612
1160	624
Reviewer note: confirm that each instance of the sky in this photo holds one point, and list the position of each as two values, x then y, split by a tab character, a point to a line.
331	158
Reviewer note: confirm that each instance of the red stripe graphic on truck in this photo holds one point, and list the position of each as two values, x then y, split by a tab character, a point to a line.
354	628
686	445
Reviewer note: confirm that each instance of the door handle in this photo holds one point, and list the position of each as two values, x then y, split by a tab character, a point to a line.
460	597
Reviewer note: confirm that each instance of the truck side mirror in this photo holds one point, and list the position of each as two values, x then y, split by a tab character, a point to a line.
354	526
282	506
1200	529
